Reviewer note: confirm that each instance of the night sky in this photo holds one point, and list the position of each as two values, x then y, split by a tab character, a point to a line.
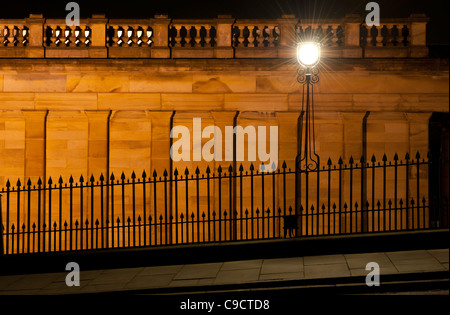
437	10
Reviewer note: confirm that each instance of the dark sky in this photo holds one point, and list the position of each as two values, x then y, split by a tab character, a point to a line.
438	10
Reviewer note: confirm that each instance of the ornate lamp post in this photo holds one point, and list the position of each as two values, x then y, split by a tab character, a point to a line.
308	56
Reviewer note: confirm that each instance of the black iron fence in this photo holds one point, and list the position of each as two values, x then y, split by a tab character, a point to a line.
217	206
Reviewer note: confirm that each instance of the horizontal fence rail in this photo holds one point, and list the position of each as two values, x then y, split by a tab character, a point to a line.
224	205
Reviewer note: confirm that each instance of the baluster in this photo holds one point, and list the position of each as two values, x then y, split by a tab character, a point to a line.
253	38
268	38
178	38
241	38
11	38
197	40
130	36
87	35
334	37
68	36
379	38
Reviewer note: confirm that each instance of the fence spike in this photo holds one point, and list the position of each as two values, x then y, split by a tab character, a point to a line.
340	162
122	177
112	177
50	181
29	182
373	160
165	174
97	223
8	184
329	163
257	211
144	174
92	179
208	170
246	212
396	157
129	220
219	170
133	175
34	226
407	157
345	206
252	167
351	160
18	183
176	172
65	224
186	171
71	179
118	220
284	165
102	178
378	203
81	179
197	171
76	223
418	155
55	225
390	203
385	158
362	160
230	169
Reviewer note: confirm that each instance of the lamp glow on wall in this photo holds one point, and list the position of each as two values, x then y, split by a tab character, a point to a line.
308	56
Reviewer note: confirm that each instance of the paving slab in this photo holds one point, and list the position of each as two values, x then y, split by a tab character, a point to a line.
237	276
442	255
201	271
324	260
360	261
288	265
161	270
242	265
327	271
150	281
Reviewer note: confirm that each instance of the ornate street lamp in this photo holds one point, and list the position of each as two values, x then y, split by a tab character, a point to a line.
308	56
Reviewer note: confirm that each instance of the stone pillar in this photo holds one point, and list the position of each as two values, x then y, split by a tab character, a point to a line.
288	39
419	143
98	143
418	36
35	23
98	48
160	46
287	134
224	37
352	47
35	138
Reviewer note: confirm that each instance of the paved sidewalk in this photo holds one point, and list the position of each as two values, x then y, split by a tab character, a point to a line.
237	272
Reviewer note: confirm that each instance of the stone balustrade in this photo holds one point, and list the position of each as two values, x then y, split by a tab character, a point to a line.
222	37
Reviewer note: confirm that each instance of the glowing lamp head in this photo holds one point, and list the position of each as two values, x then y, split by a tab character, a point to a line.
308	54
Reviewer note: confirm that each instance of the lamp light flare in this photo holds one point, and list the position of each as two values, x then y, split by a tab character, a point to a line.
308	54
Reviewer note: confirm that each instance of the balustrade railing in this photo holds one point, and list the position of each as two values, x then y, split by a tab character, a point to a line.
222	37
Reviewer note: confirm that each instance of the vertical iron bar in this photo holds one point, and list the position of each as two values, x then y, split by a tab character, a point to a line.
29	215
18	215
123	208
112	178
81	212
144	207
407	191
166	208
